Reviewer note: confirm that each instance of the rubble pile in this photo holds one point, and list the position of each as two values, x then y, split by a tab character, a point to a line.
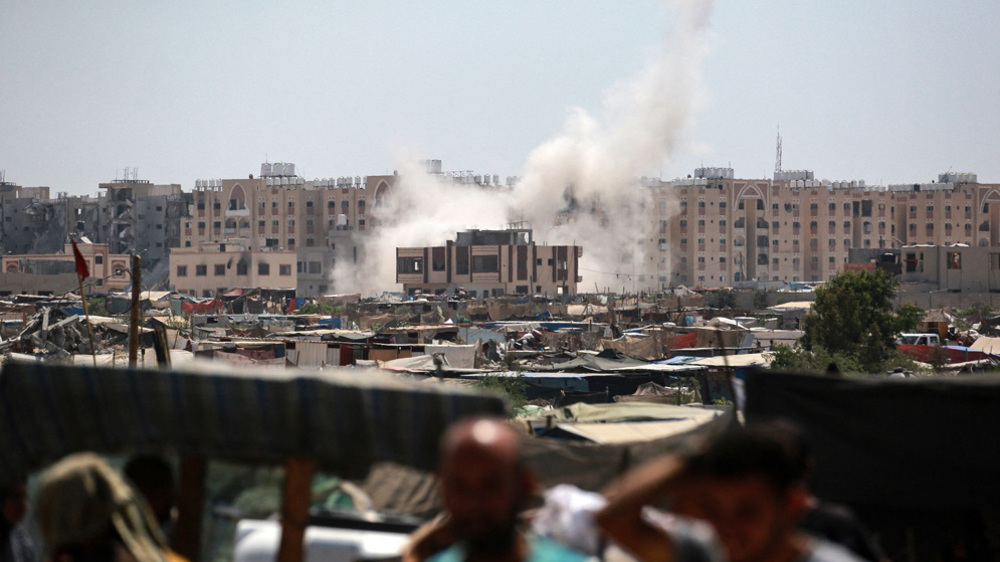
55	333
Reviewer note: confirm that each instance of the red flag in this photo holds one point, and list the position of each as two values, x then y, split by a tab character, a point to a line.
81	264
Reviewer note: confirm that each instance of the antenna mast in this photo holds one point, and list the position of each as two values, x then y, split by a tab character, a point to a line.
777	159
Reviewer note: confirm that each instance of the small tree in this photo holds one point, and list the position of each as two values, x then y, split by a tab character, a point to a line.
725	298
759	299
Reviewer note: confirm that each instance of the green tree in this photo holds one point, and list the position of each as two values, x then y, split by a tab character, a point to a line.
908	315
725	298
853	316
759	299
317	308
511	389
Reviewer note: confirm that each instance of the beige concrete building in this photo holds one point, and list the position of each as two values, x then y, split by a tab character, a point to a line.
56	273
280	211
210	269
950	269
490	263
716	230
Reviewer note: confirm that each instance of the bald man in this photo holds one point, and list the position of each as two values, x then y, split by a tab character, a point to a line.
484	485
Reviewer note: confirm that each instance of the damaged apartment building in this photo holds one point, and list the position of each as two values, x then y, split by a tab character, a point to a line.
490	263
130	216
32	222
319	222
138	217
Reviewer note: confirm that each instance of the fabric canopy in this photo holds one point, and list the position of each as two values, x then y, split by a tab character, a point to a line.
898	443
205	306
344	420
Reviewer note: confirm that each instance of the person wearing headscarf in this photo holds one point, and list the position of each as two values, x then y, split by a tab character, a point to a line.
88	513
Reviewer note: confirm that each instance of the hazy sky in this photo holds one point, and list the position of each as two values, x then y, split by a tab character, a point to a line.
884	91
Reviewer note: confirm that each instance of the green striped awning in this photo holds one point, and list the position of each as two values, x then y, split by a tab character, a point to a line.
345	420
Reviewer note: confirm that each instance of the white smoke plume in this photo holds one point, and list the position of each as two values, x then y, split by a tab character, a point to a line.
578	188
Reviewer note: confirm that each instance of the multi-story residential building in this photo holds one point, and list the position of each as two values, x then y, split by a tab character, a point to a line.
130	216
210	269
716	230
321	220
31	223
490	263
138	217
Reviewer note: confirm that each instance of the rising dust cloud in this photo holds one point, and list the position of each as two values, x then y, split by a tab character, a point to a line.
578	188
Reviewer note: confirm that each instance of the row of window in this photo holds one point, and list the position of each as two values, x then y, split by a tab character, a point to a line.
241	269
237	204
261	224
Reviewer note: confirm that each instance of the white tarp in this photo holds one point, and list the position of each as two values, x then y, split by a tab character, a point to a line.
459	356
987	345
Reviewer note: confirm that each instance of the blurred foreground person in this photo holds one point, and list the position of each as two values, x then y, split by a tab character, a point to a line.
824	519
153	477
484	485
15	544
87	513
743	482
482	464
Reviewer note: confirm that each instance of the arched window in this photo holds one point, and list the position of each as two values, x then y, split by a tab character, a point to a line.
237	198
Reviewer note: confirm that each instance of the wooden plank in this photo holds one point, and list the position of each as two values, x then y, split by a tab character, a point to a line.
161	347
190	507
295	508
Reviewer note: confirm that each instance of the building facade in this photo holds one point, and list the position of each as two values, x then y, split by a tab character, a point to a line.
56	273
489	263
138	217
210	269
716	230
129	216
323	220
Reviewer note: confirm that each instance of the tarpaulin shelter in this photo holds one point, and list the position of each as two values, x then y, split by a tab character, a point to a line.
336	421
916	456
212	305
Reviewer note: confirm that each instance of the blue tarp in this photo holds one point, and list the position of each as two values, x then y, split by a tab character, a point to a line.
331	322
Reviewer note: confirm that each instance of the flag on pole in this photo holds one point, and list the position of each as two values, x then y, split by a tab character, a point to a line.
81	264
83	272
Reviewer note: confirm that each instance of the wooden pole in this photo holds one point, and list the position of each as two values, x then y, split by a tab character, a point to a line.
133	327
90	331
295	508
190	506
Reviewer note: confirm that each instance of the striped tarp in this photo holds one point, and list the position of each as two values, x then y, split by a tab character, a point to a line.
345	420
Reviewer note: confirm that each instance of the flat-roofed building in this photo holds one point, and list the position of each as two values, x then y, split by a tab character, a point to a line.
211	269
716	230
56	273
489	263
